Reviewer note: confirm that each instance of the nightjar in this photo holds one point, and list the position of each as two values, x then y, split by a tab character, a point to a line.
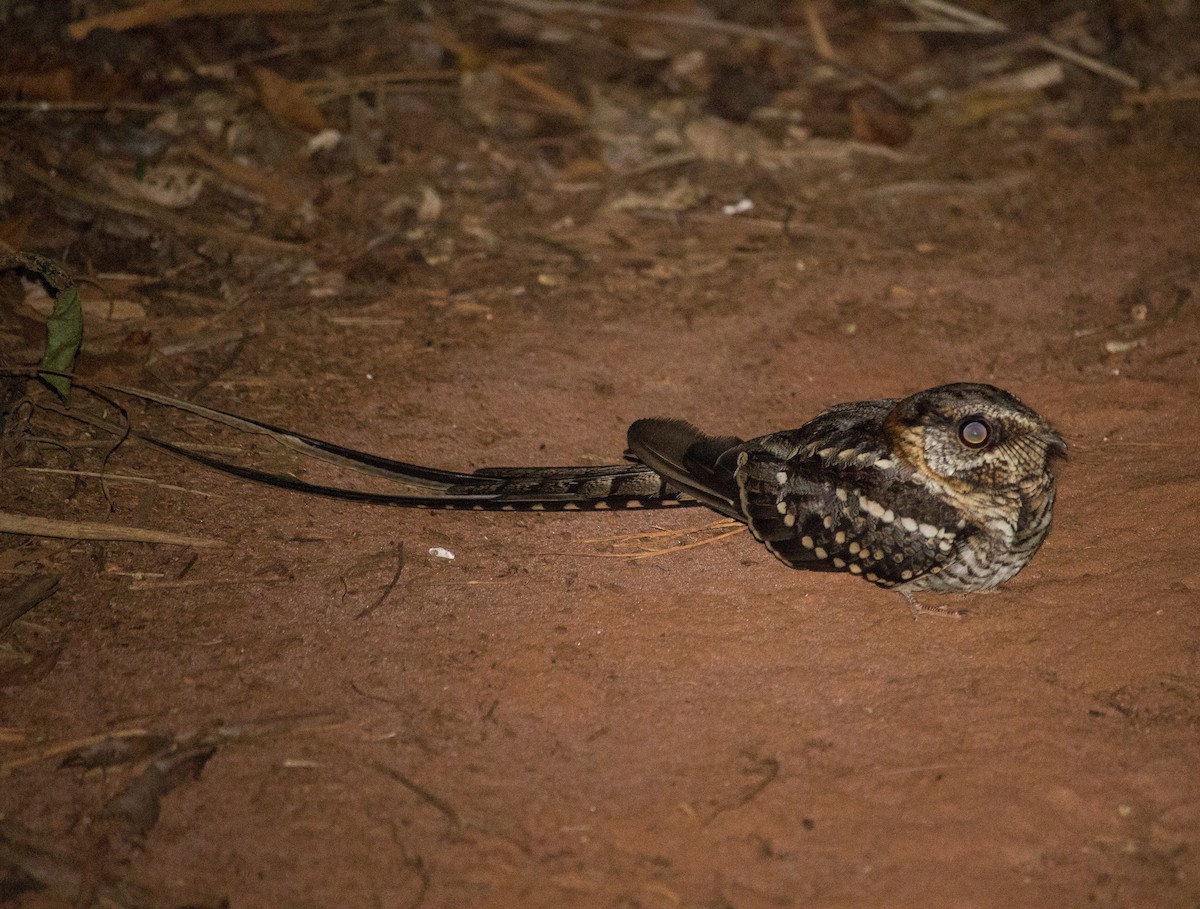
948	490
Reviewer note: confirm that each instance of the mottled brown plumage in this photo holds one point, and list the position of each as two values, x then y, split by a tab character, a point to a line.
948	490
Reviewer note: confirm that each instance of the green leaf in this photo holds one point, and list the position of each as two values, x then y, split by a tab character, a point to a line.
65	327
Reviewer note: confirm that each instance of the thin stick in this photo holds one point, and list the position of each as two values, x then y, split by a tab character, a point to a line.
559	101
420	791
971	20
1163	95
158	11
207	582
1090	63
376	80
391	585
816	28
90	530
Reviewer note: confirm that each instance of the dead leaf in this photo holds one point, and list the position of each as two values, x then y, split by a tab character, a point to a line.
15	603
873	124
29	668
135	808
287	101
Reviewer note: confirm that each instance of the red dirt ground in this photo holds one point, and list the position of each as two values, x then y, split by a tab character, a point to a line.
531	724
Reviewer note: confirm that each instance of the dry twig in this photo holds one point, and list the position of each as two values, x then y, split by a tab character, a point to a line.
157	12
31	526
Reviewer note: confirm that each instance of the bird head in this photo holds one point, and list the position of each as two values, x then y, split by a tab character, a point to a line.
969	435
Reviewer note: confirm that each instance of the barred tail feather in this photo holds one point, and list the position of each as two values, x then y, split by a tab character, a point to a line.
494	489
497	489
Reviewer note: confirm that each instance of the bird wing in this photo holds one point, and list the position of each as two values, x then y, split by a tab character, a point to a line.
698	464
830	496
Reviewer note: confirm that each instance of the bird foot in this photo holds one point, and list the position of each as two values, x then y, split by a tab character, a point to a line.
917	609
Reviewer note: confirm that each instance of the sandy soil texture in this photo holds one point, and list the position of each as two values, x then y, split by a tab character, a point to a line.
541	722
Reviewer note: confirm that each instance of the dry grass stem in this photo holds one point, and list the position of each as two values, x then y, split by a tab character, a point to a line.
639	539
657	534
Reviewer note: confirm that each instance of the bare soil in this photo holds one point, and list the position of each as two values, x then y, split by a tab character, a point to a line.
539	723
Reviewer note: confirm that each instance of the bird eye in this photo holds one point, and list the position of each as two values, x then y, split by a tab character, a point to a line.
975	432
